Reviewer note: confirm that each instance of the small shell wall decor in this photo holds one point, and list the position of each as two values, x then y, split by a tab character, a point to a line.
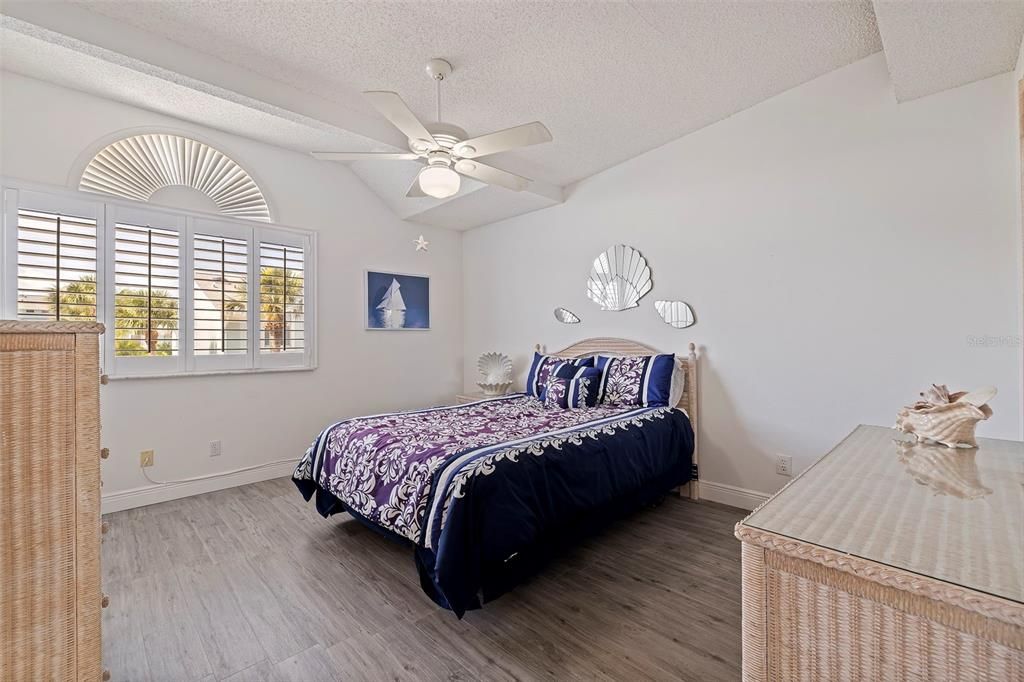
566	316
619	278
675	313
946	418
496	369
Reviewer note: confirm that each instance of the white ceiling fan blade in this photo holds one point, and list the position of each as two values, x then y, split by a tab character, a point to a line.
503	140
396	111
415	191
364	156
491	175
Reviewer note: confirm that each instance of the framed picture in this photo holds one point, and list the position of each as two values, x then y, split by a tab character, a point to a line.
396	301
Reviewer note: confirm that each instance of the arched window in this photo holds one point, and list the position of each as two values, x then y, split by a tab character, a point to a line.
143	166
180	291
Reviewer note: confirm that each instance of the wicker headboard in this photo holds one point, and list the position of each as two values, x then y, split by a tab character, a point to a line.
613	346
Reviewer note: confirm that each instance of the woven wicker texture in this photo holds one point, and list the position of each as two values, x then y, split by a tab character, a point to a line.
849	610
828	633
955	515
49	502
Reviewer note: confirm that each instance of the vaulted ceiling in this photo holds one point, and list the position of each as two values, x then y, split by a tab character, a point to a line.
610	79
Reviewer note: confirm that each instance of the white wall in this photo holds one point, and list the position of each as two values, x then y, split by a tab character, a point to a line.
838	250
259	418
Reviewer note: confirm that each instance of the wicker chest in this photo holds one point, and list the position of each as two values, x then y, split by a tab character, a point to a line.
50	596
888	559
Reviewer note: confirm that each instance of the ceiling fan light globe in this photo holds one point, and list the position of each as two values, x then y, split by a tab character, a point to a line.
439	182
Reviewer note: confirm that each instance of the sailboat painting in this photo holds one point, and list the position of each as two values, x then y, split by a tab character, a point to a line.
396	301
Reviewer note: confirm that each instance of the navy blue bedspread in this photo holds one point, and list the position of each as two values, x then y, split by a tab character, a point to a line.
490	516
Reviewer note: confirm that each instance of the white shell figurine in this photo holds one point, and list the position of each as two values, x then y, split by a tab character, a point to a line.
619	278
949	419
496	369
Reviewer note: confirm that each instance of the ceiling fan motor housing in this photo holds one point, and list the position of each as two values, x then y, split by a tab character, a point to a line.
439	158
445	134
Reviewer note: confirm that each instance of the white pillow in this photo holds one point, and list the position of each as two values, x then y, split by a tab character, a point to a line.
675	393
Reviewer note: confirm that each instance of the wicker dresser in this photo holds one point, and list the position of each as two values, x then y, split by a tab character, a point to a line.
50	596
888	559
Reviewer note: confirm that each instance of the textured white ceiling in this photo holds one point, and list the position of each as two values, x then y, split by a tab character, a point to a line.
937	45
37	53
609	79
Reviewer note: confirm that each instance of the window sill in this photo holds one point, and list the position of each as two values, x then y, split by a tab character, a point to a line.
209	372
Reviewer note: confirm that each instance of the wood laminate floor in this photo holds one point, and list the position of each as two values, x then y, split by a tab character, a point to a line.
252	584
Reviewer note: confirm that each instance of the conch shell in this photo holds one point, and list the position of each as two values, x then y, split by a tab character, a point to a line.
946	418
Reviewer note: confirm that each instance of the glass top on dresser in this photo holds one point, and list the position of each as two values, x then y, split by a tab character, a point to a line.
956	515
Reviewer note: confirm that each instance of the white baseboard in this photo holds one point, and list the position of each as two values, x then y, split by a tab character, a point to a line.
731	495
152	494
722	493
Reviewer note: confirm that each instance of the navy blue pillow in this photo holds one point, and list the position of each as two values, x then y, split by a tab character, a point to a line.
541	368
571	387
640	380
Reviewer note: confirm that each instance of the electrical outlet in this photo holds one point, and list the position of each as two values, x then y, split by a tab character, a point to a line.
146	458
784	465
215	449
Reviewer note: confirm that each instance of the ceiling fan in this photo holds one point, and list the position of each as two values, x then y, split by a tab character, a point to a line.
445	147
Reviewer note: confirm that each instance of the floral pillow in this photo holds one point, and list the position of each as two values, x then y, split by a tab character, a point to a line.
571	387
641	380
541	368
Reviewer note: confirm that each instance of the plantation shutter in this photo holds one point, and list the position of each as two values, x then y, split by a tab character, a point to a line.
220	296
146	291
56	257
282	298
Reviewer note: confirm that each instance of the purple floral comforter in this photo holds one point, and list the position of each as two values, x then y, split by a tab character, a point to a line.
486	491
381	467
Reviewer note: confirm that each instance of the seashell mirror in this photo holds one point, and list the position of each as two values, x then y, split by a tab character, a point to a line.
566	316
619	278
676	313
496	369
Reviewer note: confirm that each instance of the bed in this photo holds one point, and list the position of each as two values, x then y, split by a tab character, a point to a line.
488	492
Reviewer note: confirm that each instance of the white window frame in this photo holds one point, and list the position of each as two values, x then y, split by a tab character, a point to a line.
108	212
